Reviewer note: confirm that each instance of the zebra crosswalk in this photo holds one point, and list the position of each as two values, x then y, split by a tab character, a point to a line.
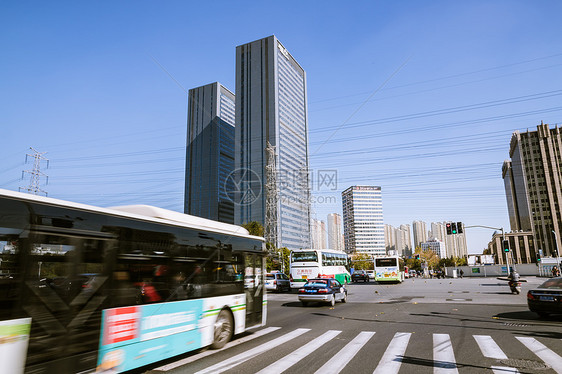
307	346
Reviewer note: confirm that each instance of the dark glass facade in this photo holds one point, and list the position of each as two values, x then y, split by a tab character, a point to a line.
210	153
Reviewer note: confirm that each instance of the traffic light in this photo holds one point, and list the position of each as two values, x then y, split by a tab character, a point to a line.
449	230
459	227
506	245
454	228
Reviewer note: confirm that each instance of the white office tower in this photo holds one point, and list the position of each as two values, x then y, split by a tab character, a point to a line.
335	232
420	233
318	234
436	246
271	108
363	226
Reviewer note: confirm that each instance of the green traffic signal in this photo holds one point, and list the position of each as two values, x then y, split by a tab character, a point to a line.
506	245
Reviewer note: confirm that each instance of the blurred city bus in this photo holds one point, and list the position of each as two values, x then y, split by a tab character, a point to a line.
389	269
318	263
86	289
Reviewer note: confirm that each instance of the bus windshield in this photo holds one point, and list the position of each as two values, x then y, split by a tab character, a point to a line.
304	257
385	262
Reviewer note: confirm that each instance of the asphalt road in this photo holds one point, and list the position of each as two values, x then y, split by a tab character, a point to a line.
420	326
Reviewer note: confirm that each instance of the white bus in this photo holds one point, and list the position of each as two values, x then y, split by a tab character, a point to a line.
318	263
85	288
389	269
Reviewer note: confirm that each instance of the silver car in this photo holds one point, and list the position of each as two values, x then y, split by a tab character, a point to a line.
277	281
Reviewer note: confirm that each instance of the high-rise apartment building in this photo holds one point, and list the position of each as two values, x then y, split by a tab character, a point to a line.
438	231
210	153
363	226
420	233
335	236
389	238
318	234
271	108
404	240
533	186
397	240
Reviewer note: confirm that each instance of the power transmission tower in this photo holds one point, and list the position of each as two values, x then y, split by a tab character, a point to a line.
35	174
271	197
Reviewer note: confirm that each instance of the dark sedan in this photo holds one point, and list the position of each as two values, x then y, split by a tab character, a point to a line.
547	298
360	275
322	290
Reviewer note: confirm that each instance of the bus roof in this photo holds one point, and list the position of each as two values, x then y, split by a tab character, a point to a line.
321	250
143	212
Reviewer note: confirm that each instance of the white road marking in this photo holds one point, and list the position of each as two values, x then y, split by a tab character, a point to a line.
342	358
198	356
286	362
504	370
489	347
251	353
392	358
545	354
443	355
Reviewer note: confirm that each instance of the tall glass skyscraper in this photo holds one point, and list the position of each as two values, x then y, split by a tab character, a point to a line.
271	107
363	226
210	153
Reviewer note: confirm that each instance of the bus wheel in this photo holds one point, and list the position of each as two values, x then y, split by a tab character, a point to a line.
223	329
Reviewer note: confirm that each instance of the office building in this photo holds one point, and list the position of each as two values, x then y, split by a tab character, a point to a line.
533	186
435	245
271	108
363	226
210	153
522	248
335	235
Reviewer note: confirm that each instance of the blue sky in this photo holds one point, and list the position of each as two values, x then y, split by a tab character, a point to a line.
420	98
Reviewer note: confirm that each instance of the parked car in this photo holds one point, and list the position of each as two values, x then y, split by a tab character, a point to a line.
371	274
326	290
360	275
277	281
547	298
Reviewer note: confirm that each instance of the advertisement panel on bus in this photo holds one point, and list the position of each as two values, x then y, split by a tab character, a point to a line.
138	335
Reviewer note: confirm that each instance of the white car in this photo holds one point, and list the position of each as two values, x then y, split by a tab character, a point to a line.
371	274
